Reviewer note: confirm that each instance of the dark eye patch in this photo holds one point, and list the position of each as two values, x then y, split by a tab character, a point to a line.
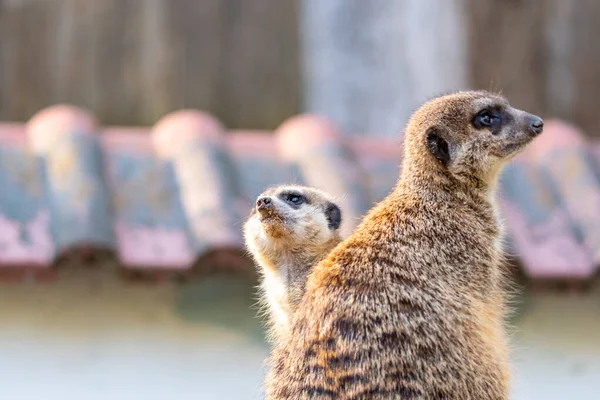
293	198
491	118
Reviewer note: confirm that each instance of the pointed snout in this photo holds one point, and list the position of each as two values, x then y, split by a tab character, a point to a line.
263	203
535	125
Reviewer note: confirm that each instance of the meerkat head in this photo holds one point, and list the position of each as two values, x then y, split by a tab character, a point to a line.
292	218
468	135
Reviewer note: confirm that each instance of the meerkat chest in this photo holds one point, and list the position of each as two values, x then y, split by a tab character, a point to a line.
275	292
281	281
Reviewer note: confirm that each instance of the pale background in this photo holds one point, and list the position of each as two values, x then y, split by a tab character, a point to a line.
93	337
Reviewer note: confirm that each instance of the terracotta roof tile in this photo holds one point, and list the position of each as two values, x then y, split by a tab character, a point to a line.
66	140
570	167
194	146
25	238
173	198
541	234
148	220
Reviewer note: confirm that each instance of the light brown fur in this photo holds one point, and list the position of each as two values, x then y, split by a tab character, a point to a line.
411	305
286	242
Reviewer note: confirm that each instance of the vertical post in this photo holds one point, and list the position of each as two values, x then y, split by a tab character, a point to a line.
368	64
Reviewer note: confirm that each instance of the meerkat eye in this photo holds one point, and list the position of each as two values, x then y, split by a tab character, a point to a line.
485	119
295	199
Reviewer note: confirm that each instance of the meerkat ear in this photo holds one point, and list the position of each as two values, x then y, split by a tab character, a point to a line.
334	216
438	146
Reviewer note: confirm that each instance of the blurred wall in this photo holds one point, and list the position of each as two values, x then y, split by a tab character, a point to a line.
366	65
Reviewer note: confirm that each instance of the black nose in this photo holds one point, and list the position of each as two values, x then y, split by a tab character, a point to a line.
263	202
536	125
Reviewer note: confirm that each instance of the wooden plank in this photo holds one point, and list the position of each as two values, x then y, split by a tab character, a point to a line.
506	50
559	57
24	56
262	65
586	66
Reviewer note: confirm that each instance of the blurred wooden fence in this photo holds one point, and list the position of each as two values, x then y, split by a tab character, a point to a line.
131	61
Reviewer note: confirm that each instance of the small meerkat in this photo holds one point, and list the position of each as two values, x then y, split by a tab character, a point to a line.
412	304
290	230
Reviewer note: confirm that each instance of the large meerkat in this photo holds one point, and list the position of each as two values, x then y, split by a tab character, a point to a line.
289	231
411	305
